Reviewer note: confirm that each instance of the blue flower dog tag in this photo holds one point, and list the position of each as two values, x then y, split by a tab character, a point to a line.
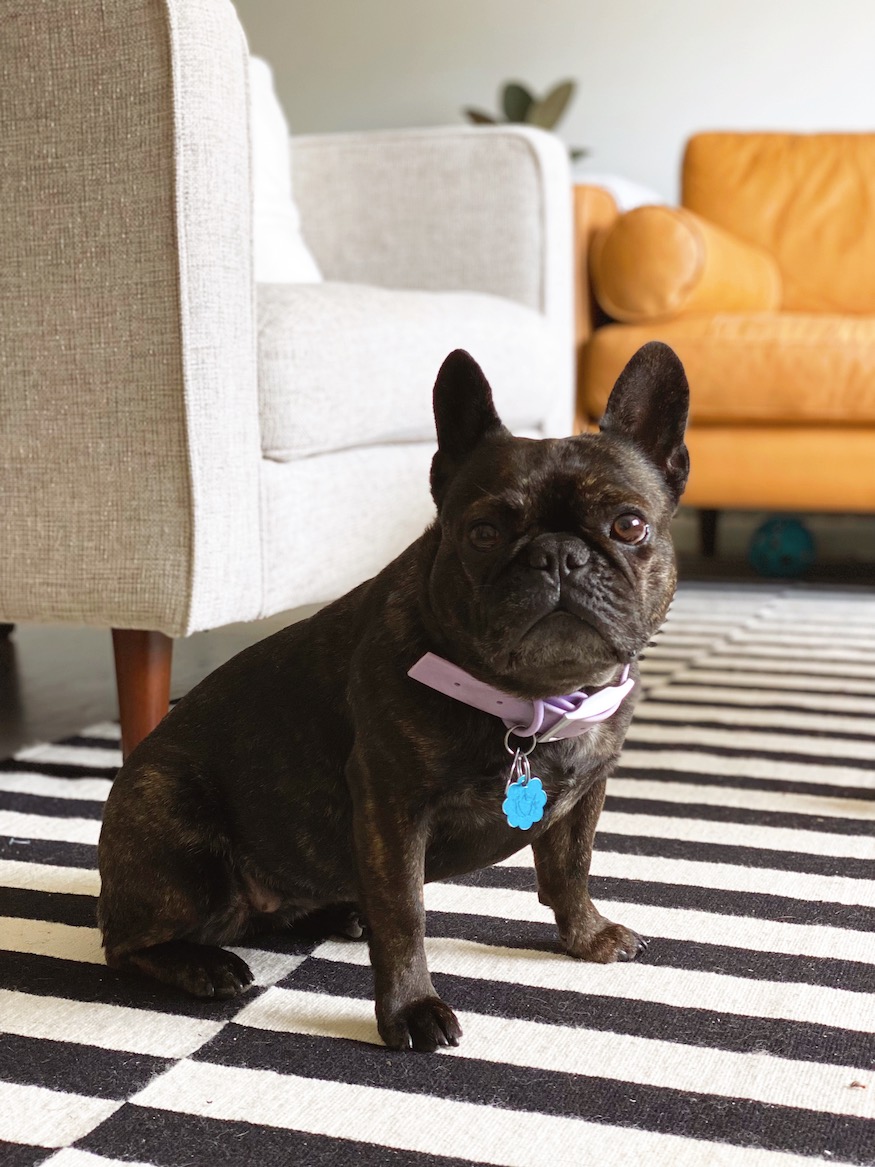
525	797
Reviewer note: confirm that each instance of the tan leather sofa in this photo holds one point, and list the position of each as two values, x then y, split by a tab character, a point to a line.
764	284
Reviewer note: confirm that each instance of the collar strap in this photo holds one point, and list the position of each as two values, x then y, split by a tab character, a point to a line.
549	719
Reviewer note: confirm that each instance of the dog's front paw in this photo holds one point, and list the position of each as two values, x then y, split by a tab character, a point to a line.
604	943
422	1025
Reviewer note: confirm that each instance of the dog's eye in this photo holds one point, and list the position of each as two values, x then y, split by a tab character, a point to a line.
484	536
630	529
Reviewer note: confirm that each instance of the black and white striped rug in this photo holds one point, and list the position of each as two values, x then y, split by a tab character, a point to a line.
738	836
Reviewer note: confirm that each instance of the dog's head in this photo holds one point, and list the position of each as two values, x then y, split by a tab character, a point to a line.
555	562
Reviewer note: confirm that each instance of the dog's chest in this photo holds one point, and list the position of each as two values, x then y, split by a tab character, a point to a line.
469	823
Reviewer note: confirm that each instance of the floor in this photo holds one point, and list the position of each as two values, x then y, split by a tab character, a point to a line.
56	680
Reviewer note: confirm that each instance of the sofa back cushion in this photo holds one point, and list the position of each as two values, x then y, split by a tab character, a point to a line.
809	199
280	254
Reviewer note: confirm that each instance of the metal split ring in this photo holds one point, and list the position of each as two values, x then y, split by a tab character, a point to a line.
516	749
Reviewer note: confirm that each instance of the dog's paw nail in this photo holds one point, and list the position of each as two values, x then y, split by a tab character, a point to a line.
423	1026
610	943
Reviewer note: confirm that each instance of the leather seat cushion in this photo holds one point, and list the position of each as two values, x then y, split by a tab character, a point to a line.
768	367
343	365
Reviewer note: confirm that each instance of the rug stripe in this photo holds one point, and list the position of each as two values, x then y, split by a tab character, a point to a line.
674	923
171	1139
413	1122
75	1068
724	658
50	939
722	695
657	984
26	804
43	877
79	753
87	789
610	846
661	822
112	1027
722	959
712	805
49	852
755	800
802	745
34	826
792	884
706	673
597	1056
740	1033
26	904
92	981
668	712
757	904
710	766
48	1118
19	1155
663	772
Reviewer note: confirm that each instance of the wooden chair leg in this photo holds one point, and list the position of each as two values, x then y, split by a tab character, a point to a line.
142	673
708	532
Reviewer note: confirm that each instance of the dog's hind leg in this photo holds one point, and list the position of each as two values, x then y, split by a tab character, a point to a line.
169	894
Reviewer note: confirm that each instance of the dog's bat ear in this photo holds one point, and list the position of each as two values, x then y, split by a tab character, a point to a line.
649	406
464	416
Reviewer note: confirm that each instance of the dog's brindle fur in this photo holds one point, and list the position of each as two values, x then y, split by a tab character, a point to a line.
310	774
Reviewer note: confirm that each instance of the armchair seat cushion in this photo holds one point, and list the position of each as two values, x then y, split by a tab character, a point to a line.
767	367
345	365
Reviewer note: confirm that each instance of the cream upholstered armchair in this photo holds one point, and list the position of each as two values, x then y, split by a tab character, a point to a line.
181	448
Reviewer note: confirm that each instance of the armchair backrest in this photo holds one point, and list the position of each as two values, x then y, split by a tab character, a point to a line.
809	199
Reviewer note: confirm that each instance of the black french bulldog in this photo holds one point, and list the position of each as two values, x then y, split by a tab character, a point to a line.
311	775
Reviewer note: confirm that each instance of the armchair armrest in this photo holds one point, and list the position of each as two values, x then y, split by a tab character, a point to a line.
129	442
483	209
656	263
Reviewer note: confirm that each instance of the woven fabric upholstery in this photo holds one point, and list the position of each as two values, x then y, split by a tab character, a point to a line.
280	253
468	208
335	519
373	381
129	422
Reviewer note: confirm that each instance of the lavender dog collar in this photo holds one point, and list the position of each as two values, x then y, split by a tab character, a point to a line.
549	719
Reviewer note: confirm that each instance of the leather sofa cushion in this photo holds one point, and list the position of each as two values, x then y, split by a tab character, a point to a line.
658	262
344	365
806	198
782	468
777	367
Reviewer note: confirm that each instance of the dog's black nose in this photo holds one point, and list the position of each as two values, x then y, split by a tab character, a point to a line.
558	555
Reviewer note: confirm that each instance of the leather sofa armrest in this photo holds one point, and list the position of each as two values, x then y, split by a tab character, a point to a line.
659	263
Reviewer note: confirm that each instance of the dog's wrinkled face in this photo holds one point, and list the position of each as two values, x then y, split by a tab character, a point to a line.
555	563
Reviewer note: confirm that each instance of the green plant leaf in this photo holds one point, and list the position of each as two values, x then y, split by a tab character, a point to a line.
479	118
547	112
516	101
575	153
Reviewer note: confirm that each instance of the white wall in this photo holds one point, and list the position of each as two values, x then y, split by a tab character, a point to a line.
649	72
